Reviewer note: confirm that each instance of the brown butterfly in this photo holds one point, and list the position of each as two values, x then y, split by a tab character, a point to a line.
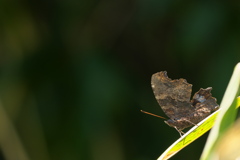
174	98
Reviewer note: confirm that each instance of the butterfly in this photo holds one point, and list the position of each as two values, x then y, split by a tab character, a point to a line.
173	96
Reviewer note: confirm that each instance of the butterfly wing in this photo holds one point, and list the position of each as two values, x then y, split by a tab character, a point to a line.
173	96
204	103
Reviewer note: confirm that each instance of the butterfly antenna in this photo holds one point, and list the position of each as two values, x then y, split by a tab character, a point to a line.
152	114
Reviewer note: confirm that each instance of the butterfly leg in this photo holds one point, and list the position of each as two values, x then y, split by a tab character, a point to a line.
179	131
191	122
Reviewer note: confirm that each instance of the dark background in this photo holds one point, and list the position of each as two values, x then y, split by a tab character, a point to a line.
75	74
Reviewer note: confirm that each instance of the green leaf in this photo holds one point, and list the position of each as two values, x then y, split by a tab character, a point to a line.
194	133
226	116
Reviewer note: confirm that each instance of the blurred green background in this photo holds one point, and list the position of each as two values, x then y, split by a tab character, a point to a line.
75	74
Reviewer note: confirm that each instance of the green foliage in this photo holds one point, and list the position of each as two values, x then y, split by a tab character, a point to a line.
226	117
